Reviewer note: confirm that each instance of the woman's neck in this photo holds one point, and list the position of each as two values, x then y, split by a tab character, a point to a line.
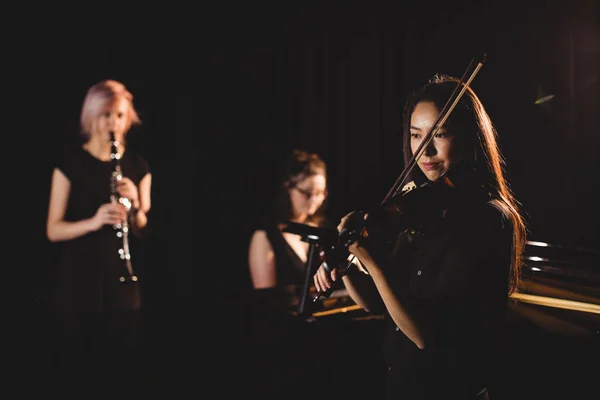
100	149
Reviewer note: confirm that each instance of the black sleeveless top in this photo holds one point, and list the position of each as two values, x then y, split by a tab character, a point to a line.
289	267
290	273
89	266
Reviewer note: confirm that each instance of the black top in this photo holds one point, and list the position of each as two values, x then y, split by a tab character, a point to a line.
455	275
289	270
289	267
89	266
284	351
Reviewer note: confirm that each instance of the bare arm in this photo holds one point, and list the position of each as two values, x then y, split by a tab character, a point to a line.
357	282
476	256
398	312
361	289
261	261
365	295
57	229
142	206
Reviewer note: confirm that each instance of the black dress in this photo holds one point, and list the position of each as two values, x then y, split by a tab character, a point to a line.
89	266
283	355
97	314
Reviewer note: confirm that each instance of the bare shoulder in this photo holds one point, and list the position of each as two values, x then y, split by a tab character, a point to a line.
259	238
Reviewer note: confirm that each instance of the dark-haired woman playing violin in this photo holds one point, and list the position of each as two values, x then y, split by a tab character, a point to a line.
444	284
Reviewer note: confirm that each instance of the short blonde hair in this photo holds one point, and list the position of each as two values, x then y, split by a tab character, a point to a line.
101	95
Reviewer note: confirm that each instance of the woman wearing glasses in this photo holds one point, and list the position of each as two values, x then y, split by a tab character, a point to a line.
276	258
277	262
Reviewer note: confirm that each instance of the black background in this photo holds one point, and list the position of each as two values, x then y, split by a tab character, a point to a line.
225	89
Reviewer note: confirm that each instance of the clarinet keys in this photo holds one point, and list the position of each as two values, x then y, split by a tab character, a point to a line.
121	229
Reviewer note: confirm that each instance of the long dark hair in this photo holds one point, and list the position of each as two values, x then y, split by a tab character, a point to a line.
476	138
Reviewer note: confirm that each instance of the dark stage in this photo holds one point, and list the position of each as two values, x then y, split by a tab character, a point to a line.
224	91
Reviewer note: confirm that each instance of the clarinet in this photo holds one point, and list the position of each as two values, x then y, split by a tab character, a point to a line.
121	229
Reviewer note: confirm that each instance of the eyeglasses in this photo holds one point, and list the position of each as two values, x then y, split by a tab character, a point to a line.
309	193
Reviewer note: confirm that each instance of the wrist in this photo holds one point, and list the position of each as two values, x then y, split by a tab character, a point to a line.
133	211
92	225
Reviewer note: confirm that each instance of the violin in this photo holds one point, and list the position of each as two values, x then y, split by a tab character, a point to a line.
404	207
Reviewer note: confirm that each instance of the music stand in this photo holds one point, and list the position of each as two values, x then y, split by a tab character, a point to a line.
314	236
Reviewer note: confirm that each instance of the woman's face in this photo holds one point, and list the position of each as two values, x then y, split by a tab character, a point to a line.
114	118
440	154
308	195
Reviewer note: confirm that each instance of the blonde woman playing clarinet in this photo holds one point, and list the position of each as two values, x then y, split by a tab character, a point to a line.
97	313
